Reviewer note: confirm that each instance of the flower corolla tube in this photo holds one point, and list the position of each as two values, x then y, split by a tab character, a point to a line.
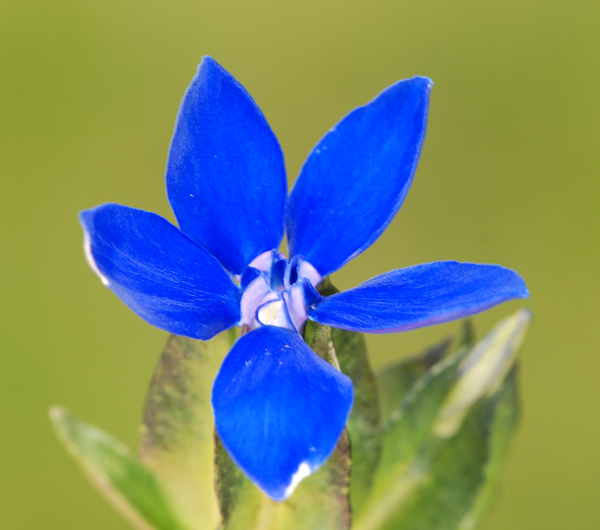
279	408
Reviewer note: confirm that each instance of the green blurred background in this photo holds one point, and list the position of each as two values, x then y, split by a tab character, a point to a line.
509	174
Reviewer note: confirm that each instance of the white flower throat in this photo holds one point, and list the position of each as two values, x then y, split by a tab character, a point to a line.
276	291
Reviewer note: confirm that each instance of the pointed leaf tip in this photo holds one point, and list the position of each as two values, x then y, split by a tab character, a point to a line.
130	487
482	372
445	446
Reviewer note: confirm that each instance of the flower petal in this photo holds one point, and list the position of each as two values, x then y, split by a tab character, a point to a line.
356	178
419	296
253	297
279	408
225	174
163	276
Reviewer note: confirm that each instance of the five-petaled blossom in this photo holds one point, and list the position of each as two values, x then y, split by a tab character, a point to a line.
279	408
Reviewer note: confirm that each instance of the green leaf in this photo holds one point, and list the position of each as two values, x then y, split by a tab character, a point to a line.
320	500
504	424
467	334
444	446
411	423
177	433
396	380
406	434
448	474
364	423
126	483
458	476
484	370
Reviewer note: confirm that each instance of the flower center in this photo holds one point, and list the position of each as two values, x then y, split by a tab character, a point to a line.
276	291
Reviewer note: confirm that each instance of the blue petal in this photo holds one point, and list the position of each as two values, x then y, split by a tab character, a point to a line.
163	276
357	177
225	174
419	296
279	408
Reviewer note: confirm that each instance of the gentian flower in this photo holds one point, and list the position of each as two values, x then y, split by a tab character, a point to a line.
279	408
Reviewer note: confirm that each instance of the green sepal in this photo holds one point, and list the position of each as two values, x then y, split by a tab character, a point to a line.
176	439
131	488
320	500
364	422
239	500
321	342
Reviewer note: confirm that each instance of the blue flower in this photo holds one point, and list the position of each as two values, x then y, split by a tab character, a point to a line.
279	408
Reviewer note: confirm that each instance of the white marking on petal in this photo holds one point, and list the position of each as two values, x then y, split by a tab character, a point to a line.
89	257
303	472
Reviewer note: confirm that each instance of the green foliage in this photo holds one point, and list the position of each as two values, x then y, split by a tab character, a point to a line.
448	476
423	449
126	483
506	413
407	434
176	444
395	381
176	439
445	443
